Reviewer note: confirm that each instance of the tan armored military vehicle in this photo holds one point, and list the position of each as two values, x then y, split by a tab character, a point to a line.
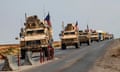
36	35
94	36
84	37
106	36
69	36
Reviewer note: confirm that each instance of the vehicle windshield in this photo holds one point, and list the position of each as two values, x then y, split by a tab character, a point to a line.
33	43
81	33
85	33
69	33
94	33
40	31
35	32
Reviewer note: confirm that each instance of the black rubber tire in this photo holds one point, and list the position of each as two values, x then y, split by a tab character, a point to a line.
89	42
23	53
63	47
77	45
98	40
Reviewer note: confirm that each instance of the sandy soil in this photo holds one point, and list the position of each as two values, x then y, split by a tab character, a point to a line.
110	62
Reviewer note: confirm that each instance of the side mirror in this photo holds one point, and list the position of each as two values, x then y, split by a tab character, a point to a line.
60	34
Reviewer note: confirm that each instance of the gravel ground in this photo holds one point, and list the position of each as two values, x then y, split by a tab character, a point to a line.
110	62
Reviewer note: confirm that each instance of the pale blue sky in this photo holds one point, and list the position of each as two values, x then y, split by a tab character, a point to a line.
99	14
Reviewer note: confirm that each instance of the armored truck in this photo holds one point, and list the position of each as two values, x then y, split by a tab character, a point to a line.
106	36
70	36
35	35
84	37
94	36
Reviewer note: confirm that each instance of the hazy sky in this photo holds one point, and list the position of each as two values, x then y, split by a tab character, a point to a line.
98	14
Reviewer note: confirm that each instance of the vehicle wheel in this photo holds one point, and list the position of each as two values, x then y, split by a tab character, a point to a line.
23	53
77	45
97	40
88	43
91	41
63	47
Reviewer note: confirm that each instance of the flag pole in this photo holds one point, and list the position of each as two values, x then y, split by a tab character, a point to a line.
63	25
88	26
26	16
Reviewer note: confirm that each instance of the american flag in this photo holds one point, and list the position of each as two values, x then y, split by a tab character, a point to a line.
47	18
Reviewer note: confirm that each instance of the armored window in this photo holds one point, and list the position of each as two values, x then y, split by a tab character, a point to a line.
40	31
85	33
28	43
33	43
69	33
37	42
72	33
30	32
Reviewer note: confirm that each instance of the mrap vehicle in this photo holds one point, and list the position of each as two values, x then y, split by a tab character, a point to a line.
70	36
35	36
84	37
94	36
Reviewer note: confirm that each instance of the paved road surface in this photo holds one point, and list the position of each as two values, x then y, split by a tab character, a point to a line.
74	60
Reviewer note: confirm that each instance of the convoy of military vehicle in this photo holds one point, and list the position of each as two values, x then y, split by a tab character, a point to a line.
37	36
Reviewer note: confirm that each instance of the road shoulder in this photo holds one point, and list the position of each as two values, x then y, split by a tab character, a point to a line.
109	62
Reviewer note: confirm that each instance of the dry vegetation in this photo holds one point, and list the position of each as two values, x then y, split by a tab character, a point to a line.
14	49
11	49
110	62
